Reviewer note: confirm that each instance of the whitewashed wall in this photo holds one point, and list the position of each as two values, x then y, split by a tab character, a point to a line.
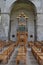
40	27
2	28
6	8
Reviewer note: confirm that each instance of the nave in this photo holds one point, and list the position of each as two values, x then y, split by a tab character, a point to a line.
9	54
30	60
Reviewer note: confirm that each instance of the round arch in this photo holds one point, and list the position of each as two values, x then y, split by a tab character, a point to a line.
27	6
30	5
10	3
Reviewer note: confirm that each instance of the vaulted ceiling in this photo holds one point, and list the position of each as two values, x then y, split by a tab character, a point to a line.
23	4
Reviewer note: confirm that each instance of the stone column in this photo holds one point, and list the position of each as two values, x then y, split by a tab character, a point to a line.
5	21
35	30
40	27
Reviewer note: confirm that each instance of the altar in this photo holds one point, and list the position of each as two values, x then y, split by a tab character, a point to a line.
22	30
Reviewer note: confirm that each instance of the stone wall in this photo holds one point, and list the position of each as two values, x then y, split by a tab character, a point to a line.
5	17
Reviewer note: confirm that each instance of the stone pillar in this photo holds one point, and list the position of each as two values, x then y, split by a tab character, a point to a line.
40	27
35	30
5	21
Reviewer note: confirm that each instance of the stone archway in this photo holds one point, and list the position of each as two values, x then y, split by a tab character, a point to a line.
27	7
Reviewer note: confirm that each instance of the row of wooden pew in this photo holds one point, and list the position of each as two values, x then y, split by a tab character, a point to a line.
38	44
2	43
4	57
30	44
37	50
5	44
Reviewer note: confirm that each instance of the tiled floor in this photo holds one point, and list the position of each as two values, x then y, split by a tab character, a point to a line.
30	60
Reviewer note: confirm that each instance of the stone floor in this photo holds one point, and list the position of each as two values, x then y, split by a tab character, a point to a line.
30	60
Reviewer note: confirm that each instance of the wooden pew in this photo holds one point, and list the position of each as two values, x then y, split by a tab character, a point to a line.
8	43
40	60
2	44
38	44
38	54
30	44
3	58
7	53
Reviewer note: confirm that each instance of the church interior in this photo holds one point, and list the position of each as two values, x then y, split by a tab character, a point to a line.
21	45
